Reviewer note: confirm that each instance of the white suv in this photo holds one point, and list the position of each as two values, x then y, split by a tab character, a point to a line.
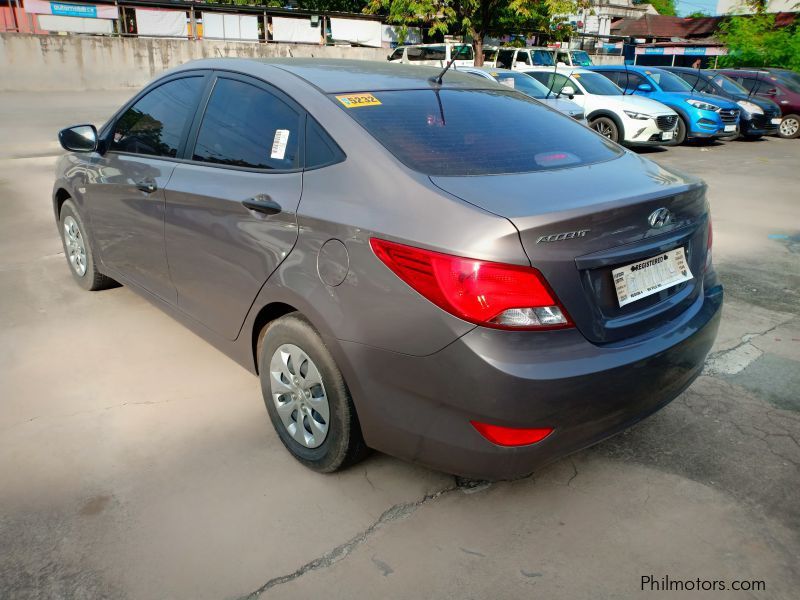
435	55
629	120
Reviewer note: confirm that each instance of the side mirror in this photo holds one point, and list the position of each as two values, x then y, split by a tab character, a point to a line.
644	87
80	138
561	64
568	91
771	92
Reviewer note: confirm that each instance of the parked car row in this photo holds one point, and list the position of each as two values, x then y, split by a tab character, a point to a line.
705	104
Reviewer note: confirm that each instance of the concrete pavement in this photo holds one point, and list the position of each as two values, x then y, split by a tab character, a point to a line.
138	462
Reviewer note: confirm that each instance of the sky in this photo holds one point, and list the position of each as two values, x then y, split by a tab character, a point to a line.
686	7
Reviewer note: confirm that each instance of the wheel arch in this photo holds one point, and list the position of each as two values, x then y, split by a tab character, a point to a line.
267	314
60	196
603	112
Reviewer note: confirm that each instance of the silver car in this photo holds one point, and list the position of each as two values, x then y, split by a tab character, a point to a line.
530	86
440	269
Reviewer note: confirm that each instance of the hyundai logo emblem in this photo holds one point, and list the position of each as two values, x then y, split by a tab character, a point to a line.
659	217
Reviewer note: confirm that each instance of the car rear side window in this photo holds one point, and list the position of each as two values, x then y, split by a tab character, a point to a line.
437	132
156	123
246	126
321	150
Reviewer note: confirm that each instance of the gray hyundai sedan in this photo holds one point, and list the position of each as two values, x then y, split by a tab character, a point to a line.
442	269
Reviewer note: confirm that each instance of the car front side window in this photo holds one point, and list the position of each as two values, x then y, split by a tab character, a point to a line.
157	122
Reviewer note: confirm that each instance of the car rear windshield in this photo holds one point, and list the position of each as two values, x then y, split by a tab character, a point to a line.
474	132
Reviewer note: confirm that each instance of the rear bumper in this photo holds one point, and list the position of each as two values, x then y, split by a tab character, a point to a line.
419	408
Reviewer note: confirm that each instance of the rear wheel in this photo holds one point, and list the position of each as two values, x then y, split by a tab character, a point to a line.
606	127
78	250
789	127
306	397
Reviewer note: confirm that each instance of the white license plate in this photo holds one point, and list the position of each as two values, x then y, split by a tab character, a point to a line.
667	135
650	276
776	121
730	128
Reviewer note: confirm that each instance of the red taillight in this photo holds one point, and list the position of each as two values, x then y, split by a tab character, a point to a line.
511	436
487	293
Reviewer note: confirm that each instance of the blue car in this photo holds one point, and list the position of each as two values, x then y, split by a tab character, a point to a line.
702	116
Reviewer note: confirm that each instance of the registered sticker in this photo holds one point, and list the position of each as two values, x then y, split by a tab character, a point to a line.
650	276
358	100
279	144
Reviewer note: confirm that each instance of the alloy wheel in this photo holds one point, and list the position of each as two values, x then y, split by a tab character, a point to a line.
299	395
789	127
76	250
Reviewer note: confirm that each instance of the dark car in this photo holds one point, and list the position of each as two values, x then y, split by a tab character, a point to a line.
446	271
778	86
760	116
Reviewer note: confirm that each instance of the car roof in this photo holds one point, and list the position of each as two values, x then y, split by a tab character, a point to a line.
342	75
487	69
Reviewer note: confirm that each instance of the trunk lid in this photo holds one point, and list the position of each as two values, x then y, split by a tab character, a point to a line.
577	225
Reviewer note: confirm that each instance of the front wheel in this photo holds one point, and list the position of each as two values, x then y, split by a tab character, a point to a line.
306	396
680	132
606	127
78	250
789	127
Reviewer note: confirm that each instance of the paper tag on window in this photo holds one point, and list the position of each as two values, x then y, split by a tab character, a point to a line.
508	81
279	144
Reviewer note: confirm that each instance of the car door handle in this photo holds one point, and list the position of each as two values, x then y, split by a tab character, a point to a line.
148	186
263	204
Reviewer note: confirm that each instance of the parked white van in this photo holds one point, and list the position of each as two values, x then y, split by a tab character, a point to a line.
436	55
521	58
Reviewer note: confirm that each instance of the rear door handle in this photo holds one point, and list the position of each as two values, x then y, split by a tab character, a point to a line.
263	204
148	185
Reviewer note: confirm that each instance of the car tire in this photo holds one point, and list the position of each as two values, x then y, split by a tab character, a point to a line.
306	396
78	250
606	127
680	131
789	127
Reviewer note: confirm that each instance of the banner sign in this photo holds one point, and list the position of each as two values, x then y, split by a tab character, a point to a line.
684	50
71	9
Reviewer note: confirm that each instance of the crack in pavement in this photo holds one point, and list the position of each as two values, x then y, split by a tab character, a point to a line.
393	513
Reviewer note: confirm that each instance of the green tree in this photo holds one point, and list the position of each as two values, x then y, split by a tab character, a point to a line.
755	41
473	19
664	7
698	14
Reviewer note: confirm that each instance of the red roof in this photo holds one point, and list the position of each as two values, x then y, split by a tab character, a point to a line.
663	26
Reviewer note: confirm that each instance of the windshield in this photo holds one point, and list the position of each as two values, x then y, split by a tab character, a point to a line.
669	82
474	132
522	83
594	83
728	85
580	58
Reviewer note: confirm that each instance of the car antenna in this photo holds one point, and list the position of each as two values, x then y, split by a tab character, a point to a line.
438	79
555	70
757	86
627	77
697	81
